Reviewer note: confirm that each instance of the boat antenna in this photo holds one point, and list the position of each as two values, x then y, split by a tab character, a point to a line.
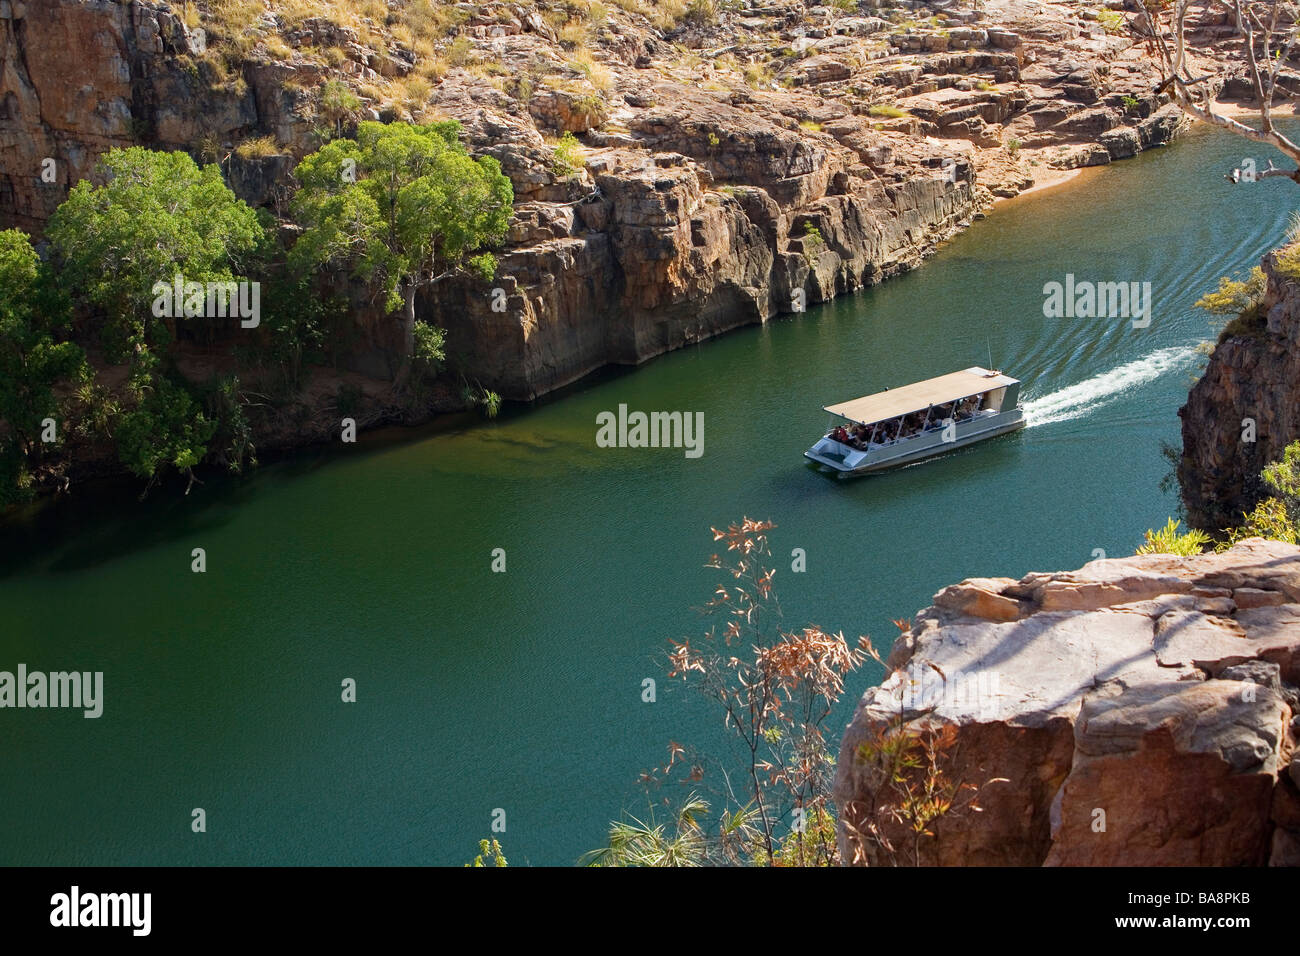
989	344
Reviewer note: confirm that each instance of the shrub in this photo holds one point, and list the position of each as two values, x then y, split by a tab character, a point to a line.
1268	519
887	111
568	155
257	148
1288	260
1168	540
1112	21
489	854
813	244
1233	297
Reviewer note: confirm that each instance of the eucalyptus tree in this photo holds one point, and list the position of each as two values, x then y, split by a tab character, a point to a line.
1268	31
149	218
32	360
401	207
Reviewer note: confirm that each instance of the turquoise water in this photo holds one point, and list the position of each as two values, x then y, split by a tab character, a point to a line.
522	691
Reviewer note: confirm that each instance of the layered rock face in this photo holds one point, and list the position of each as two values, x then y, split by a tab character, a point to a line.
665	248
731	168
1244	410
1137	711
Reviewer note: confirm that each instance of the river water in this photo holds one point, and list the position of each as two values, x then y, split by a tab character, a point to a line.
521	691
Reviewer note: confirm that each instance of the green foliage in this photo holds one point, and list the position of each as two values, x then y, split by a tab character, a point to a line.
165	429
1130	103
1112	21
429	349
400	206
1013	146
338	105
156	215
803	847
294	321
1283	477
1268	519
1288	261
483	266
232	437
886	110
1276	517
1251	324
1233	297
1173	456
633	842
489	854
813	244
568	155
474	395
1168	540
1243	300
32	362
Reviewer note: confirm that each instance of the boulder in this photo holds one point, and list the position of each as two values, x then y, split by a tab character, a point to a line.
1126	713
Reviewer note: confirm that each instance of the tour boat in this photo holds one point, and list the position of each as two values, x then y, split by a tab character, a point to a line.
903	425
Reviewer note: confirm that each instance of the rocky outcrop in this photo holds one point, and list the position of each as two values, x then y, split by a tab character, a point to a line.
797	154
719	218
1138	711
1245	409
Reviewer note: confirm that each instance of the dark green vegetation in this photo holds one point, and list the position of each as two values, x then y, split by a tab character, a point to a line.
398	208
1276	517
32	314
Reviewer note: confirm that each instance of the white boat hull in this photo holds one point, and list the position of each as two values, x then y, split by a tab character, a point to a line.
849	460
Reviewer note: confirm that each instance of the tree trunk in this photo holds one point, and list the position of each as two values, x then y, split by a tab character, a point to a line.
408	335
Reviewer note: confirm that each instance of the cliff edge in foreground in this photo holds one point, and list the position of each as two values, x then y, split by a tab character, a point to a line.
1140	709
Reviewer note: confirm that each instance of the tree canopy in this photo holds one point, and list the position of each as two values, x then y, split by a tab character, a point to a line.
32	362
154	215
401	206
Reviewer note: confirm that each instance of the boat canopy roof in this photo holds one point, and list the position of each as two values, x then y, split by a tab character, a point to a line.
917	397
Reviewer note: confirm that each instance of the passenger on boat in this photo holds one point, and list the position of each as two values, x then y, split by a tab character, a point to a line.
839	434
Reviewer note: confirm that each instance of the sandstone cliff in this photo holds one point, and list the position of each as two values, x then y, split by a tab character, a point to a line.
1253	376
1141	711
734	166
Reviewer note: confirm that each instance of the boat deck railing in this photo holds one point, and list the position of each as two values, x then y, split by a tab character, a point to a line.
936	426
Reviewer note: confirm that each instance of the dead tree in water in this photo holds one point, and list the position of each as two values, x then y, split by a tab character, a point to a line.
1268	32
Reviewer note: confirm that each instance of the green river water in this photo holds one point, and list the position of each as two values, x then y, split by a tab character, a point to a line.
522	691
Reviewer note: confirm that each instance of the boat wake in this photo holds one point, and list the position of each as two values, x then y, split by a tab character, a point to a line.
1077	400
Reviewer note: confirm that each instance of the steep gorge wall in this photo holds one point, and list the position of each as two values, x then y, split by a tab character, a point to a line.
703	204
1251	386
651	258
